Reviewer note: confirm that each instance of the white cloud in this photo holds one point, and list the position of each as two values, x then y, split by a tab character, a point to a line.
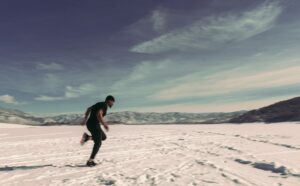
70	92
214	31
8	99
50	66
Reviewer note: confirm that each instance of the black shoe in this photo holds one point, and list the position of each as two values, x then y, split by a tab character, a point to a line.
91	163
85	138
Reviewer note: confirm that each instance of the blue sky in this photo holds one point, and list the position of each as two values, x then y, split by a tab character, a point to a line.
61	56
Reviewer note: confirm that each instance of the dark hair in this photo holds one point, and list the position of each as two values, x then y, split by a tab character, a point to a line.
110	98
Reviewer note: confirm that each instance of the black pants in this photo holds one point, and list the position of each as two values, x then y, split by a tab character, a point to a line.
97	135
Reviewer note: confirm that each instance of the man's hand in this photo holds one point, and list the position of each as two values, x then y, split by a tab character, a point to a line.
101	120
106	127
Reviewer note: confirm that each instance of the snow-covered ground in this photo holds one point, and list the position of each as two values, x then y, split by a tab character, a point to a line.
183	155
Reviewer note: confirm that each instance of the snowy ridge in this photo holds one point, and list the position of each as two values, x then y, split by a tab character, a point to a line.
169	117
16	116
127	117
282	111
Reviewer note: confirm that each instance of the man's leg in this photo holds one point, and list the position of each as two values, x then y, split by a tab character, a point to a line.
96	136
85	137
103	135
96	147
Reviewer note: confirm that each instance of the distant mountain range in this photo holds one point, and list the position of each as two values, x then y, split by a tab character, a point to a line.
16	116
283	111
170	117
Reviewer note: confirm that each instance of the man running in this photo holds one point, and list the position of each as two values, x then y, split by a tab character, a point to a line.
93	116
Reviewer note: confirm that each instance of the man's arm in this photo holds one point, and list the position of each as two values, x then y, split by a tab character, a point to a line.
101	119
87	113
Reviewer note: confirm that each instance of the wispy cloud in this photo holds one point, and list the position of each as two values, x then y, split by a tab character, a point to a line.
237	79
83	89
70	92
143	72
158	19
153	24
53	82
214	107
48	98
8	99
213	31
171	81
49	66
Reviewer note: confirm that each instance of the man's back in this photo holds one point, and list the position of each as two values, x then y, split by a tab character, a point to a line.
94	111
